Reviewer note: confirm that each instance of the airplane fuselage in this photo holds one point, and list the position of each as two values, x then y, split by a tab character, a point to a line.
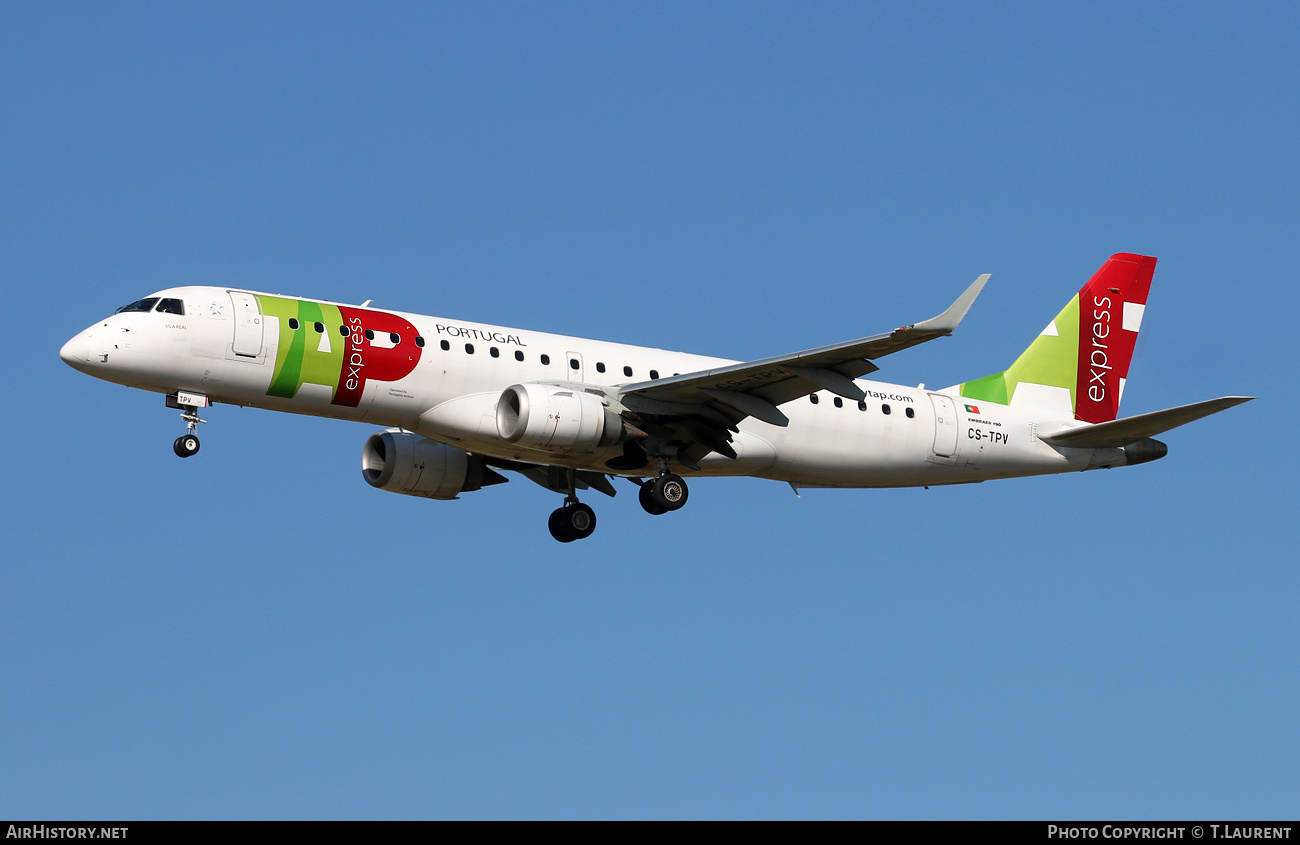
443	378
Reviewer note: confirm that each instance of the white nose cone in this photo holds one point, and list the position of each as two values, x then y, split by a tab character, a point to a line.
74	351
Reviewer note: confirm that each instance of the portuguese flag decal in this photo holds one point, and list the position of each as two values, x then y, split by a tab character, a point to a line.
972	409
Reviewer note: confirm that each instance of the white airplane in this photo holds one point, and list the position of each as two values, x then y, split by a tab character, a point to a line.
460	401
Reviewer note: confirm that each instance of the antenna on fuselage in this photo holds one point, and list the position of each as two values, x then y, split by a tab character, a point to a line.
366	304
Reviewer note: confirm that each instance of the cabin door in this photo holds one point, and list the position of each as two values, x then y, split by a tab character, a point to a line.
248	325
945	427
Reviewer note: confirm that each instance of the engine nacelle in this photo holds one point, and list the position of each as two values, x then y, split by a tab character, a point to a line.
545	416
401	462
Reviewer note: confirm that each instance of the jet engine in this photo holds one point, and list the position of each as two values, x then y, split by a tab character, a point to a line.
401	462
545	416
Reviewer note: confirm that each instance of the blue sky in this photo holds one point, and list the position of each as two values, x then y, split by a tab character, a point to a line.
257	633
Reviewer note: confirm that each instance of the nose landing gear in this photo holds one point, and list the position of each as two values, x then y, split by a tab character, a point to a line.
189	404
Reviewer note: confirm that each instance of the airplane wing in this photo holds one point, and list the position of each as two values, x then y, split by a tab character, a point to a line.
755	389
1117	434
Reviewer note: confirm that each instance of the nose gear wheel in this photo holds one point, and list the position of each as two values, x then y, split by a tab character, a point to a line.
185	445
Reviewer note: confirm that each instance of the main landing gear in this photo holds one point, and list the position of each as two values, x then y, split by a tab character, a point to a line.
667	492
576	521
573	521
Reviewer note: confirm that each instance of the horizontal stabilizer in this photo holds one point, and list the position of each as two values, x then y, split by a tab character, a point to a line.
1117	434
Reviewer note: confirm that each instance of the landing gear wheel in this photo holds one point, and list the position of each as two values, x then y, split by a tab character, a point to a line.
669	492
580	520
556	524
648	503
185	445
572	522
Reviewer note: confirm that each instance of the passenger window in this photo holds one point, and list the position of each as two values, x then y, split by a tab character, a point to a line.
600	368
370	335
654	374
494	352
546	359
884	409
293	323
171	306
445	345
469	348
573	364
627	371
138	305
320	328
519	356
812	397
395	338
862	406
419	341
910	413
839	403
343	331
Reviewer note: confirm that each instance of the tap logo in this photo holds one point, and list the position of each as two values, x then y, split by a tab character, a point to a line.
339	347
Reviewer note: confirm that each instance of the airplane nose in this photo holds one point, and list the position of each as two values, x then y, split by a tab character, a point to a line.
73	352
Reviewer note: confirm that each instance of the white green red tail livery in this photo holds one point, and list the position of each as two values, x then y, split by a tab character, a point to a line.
461	401
1080	361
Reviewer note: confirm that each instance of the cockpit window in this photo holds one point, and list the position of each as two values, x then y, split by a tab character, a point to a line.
171	306
138	305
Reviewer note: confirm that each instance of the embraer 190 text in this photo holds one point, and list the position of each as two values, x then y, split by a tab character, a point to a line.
460	401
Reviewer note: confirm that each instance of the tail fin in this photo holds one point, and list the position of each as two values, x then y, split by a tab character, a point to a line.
1078	364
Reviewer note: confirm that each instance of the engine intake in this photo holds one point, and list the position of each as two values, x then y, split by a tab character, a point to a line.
401	462
545	416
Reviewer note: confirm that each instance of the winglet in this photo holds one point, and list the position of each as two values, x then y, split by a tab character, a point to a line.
948	320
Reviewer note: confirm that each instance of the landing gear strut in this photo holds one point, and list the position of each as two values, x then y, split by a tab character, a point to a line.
573	521
667	492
